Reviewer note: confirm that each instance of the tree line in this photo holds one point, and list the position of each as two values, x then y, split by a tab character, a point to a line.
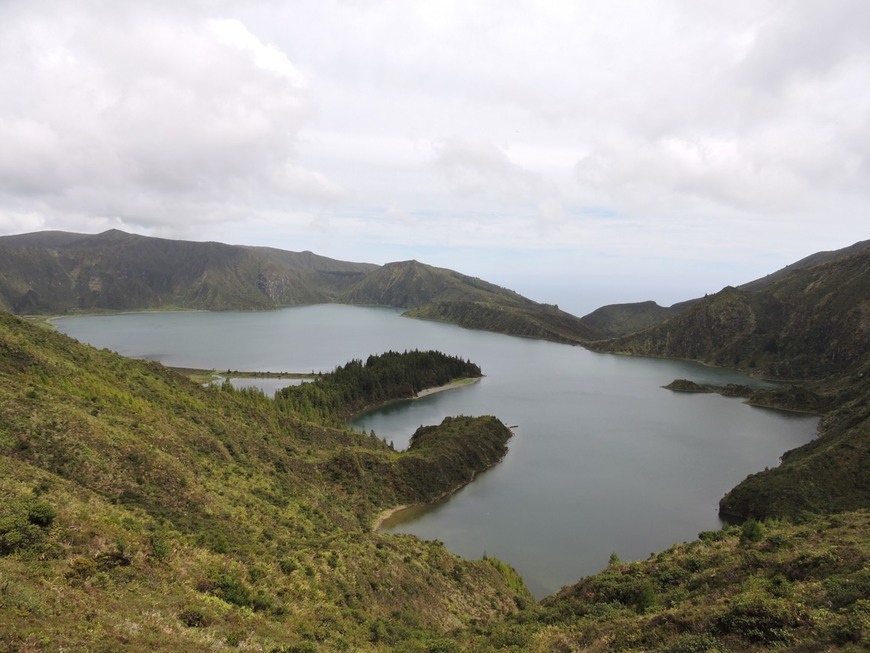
333	397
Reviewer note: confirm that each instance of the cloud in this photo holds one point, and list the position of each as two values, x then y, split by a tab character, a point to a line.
687	127
473	167
230	31
136	111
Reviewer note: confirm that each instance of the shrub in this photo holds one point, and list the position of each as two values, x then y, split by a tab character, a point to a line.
760	619
40	513
692	643
23	527
712	536
160	546
230	588
193	619
843	591
288	566
751	531
81	569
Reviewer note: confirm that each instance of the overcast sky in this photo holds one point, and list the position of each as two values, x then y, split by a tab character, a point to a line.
581	152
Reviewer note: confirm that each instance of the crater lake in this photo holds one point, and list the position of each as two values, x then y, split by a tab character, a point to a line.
603	459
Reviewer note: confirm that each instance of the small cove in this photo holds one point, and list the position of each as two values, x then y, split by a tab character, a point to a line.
603	459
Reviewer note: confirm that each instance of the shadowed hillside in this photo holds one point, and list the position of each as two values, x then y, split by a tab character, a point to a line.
114	270
807	324
617	320
446	296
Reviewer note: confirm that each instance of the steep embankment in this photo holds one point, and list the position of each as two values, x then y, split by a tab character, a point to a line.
142	511
811	326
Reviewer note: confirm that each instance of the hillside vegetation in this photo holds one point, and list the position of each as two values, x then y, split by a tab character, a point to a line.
142	511
447	296
756	587
56	272
114	270
809	324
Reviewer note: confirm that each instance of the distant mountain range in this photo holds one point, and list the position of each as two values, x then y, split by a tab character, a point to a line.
58	272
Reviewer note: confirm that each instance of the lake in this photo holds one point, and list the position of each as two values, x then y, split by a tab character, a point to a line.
603	459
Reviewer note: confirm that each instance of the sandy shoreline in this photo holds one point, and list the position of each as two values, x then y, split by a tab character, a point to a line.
447	386
389	512
384	515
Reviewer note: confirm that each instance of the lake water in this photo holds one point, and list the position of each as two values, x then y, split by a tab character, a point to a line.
603	459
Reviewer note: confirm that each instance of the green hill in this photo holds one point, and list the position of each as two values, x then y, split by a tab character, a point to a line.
56	272
808	324
615	320
446	296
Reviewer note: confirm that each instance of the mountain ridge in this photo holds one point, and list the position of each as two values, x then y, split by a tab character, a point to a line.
615	320
58	272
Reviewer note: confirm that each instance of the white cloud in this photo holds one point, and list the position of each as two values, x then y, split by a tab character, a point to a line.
473	167
692	127
230	31
145	112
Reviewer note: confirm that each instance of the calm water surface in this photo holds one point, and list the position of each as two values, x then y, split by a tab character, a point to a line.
602	460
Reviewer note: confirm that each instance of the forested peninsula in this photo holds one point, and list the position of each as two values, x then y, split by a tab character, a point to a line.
332	398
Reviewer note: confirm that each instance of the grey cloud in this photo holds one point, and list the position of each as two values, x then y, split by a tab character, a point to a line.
319	118
146	103
481	167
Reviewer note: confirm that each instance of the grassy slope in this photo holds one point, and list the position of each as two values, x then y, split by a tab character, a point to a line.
193	519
